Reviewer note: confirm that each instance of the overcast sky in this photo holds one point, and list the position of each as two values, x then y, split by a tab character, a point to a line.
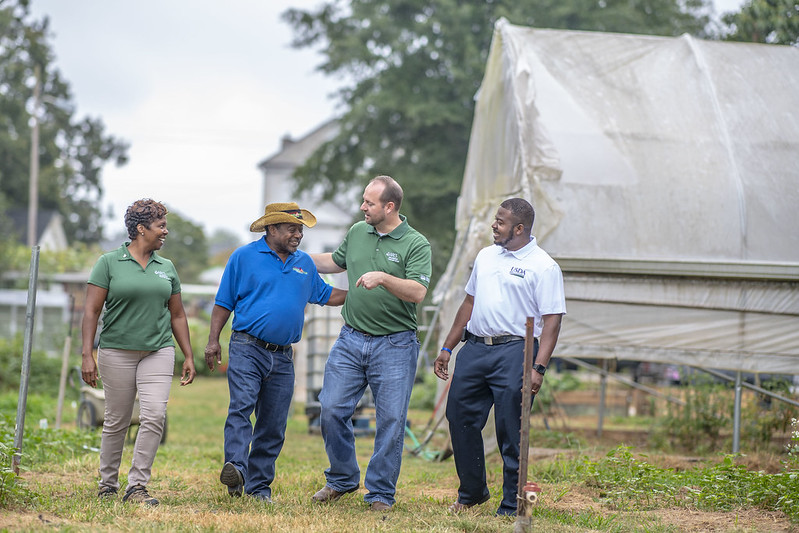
202	91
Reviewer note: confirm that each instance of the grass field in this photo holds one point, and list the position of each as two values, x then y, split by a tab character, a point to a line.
61	495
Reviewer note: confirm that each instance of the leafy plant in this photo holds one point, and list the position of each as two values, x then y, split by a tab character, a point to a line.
45	371
39	446
630	483
697	425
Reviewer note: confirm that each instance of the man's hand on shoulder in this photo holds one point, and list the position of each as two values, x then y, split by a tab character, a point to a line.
325	264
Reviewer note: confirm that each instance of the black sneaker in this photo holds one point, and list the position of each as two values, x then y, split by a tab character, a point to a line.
231	477
139	494
106	493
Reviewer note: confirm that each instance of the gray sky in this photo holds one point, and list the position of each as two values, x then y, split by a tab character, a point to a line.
202	91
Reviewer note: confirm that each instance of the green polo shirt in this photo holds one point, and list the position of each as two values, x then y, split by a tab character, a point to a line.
136	313
403	253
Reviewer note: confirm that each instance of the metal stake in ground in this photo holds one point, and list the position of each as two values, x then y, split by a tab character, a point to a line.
523	506
26	359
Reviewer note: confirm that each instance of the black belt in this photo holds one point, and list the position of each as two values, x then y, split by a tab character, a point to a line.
270	346
361	332
490	341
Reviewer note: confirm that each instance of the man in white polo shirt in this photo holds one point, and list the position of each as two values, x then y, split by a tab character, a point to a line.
510	281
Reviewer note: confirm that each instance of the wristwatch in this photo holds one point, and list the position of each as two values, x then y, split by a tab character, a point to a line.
541	369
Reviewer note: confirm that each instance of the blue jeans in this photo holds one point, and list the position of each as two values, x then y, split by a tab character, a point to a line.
388	365
486	376
259	381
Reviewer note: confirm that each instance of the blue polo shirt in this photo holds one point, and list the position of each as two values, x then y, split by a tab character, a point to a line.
267	296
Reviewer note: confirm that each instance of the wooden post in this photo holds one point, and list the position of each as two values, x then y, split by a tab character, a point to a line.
523	504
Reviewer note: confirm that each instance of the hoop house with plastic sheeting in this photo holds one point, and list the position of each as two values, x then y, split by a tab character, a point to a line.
665	177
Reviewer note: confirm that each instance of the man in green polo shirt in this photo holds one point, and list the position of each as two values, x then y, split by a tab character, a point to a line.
388	266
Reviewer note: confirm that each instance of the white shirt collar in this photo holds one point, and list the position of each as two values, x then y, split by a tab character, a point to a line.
524	251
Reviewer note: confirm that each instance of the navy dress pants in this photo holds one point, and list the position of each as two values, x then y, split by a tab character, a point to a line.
486	376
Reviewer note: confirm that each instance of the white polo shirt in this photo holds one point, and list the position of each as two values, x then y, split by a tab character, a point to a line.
510	286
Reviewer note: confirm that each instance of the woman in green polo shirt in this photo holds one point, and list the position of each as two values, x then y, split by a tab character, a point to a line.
143	309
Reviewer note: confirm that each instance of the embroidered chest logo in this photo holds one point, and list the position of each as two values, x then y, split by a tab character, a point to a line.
393	257
518	272
299	270
161	274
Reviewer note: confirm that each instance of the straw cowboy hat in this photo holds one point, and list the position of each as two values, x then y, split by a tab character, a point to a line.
279	213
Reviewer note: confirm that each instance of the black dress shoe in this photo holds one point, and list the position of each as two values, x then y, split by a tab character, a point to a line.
231	477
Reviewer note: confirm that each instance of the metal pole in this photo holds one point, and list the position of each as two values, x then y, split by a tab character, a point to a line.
736	417
603	390
22	402
749	386
33	185
523	508
62	385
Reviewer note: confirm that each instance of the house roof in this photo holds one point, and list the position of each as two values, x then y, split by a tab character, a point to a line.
19	220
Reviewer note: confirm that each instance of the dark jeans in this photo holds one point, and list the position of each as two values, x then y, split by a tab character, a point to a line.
260	381
486	376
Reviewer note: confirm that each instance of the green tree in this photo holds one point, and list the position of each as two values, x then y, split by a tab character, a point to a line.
765	21
72	151
186	247
221	244
415	67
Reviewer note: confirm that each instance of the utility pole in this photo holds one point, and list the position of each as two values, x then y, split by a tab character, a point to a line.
33	192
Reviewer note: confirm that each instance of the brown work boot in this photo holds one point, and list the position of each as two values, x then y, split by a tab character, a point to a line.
379	507
106	493
139	494
328	494
457	506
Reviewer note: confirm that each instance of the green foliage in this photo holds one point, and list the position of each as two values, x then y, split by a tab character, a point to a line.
37	407
39	446
72	151
198	330
185	479
186	247
630	483
626	482
697	425
765	417
423	395
45	371
703	423
765	21
221	243
11	488
15	257
729	486
554	382
416	66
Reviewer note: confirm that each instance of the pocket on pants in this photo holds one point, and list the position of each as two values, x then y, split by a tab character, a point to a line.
403	339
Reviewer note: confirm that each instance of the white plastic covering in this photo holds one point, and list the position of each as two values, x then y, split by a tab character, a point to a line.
665	177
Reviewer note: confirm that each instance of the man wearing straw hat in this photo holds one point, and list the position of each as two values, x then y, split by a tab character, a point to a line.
266	284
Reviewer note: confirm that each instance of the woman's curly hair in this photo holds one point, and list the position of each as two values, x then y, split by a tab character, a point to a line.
144	212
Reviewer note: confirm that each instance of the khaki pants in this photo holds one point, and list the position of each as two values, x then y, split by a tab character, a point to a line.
124	373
